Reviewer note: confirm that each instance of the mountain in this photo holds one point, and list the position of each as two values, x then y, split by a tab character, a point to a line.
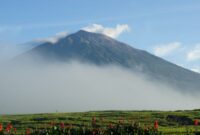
102	50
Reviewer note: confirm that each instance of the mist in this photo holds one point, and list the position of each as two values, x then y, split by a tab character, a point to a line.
76	86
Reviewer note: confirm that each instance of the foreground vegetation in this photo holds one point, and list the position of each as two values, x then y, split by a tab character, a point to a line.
105	122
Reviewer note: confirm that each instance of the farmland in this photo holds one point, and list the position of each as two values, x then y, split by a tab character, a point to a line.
169	122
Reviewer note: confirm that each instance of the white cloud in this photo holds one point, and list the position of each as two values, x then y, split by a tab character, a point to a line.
53	39
166	49
194	54
111	32
196	69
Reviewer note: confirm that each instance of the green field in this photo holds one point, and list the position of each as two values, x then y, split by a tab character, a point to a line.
170	122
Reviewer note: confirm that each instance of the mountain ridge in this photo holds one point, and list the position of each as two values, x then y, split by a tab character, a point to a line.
100	49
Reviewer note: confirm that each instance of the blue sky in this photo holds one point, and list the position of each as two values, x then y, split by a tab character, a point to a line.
167	28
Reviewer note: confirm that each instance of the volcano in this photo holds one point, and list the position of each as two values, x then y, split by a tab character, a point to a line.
102	50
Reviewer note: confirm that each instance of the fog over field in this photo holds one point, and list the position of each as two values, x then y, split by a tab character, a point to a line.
75	86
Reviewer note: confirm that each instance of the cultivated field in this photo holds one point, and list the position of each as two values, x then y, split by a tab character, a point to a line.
169	122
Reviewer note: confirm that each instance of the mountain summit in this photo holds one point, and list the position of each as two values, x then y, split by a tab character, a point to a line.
102	50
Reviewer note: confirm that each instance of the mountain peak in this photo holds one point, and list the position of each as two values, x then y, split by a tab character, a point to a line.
83	32
89	34
102	50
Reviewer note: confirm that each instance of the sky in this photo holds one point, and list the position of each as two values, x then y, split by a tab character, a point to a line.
169	28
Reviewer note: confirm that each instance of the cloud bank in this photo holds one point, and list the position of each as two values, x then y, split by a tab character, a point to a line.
83	87
111	32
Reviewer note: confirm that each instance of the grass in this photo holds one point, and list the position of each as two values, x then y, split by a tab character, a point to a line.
104	118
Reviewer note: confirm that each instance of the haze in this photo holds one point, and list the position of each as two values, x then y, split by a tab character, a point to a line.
76	86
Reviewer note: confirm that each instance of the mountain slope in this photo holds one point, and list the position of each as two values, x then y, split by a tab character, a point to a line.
102	50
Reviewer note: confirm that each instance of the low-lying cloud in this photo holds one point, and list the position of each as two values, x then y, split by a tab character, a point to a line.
83	87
